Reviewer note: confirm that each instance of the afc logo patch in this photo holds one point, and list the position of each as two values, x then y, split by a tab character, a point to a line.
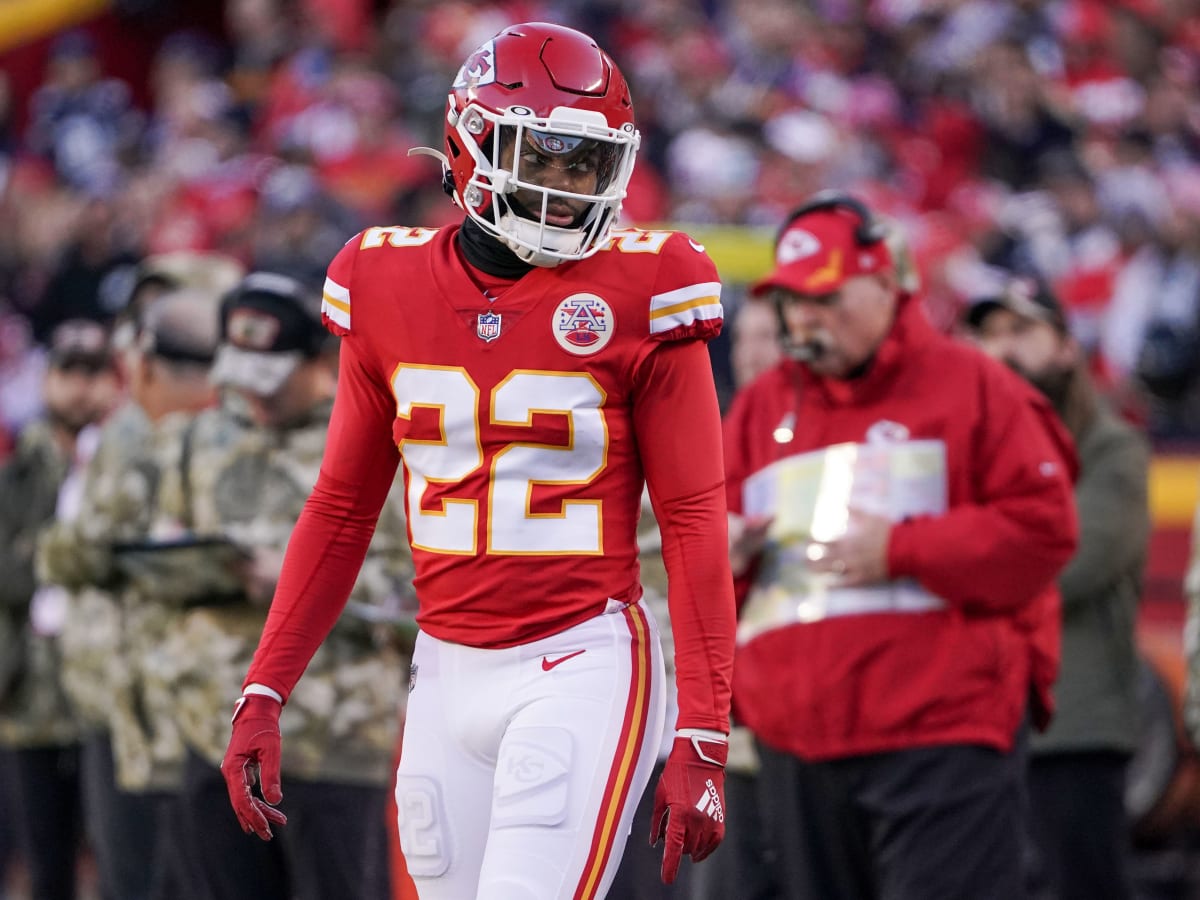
583	324
487	326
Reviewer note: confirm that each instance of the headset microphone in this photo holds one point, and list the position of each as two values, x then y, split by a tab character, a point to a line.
807	351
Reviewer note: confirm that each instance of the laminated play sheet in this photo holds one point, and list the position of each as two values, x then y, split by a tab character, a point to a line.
811	496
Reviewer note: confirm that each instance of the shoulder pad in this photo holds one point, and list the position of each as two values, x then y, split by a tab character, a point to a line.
335	301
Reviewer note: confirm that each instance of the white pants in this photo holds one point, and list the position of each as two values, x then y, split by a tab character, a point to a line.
521	768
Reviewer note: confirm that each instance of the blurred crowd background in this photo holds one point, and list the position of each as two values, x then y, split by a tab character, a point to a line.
1059	138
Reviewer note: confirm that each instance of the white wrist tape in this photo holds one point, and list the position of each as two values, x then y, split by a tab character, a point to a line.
262	690
699	736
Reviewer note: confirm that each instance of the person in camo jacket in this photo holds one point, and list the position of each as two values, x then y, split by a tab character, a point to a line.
132	755
233	483
39	733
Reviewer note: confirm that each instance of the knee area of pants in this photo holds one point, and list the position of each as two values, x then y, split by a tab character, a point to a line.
533	777
510	890
421	818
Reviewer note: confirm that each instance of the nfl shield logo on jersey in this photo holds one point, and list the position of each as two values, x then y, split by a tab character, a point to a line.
488	326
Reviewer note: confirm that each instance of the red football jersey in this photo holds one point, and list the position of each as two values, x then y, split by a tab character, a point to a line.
525	426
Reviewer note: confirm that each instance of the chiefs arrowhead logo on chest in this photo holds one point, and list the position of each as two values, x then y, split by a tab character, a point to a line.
583	324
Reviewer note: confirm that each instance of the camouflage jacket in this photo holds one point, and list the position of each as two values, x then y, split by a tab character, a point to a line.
33	708
115	629
222	477
77	555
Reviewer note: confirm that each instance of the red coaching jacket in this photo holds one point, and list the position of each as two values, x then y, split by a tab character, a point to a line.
958	673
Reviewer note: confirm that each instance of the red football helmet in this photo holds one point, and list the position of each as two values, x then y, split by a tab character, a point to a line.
540	141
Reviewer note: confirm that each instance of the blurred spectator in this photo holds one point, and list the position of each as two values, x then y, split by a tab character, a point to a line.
1021	122
38	731
236	480
165	273
355	141
132	756
298	227
1077	766
713	173
1095	77
93	278
261	34
923	103
8	132
82	122
1166	281
755	346
22	370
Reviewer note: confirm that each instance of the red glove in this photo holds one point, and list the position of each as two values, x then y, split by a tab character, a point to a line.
689	803
253	754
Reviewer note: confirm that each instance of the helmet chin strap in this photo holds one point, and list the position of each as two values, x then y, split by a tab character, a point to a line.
519	224
523	226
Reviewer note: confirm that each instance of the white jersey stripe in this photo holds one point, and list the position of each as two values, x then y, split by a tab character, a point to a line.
685	306
335	303
680	295
335	315
335	291
689	316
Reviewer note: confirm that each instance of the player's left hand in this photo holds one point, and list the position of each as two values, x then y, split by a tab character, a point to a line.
689	803
254	749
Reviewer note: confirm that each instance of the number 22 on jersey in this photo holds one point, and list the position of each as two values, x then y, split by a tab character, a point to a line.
515	468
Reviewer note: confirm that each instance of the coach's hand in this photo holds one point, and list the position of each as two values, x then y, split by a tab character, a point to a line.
689	803
253	754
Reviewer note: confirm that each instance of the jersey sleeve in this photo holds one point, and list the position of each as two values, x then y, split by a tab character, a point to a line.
335	298
678	426
685	301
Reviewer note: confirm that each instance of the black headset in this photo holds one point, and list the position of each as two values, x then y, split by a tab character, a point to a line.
868	231
276	284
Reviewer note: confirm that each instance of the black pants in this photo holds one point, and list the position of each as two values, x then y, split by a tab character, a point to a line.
333	846
1080	829
9	849
744	865
47	816
940	823
136	837
640	874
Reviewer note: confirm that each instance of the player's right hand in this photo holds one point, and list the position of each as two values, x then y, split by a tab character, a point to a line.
689	803
253	754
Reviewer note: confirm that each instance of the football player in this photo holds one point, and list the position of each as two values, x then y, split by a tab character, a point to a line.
529	369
